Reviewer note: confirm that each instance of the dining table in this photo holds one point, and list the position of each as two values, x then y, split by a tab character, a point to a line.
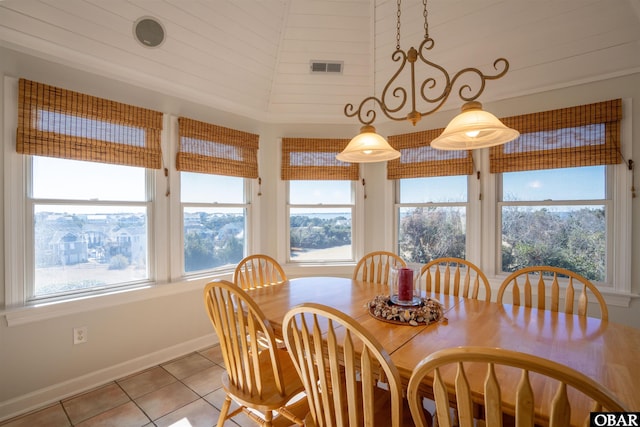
606	351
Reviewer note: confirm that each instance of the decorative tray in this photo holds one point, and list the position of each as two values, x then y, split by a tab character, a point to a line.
427	311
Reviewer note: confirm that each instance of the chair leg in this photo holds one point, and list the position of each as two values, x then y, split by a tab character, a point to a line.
224	411
268	418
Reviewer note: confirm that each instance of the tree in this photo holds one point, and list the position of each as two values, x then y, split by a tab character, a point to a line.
574	239
198	253
430	233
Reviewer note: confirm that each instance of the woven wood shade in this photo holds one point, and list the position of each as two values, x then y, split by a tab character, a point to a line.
418	159
56	122
207	148
310	158
586	135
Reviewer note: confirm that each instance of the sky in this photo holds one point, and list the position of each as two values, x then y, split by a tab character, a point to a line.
58	178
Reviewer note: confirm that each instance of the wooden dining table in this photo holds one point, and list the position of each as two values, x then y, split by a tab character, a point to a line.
605	351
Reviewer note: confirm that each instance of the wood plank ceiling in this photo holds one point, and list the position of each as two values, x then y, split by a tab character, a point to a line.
253	57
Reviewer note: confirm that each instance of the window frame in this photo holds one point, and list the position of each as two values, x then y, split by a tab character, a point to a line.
29	236
18	217
607	202
246	184
617	290
618	203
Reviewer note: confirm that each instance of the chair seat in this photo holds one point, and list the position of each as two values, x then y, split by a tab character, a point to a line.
271	399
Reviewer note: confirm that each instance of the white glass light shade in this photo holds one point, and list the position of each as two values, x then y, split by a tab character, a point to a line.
474	128
368	147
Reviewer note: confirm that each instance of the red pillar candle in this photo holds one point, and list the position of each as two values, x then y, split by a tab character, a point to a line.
405	284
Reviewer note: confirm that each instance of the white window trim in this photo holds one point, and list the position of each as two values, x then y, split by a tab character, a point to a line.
319	268
14	206
16	311
176	261
617	291
483	239
15	185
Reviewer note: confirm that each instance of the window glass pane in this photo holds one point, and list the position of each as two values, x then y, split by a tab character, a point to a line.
441	189
572	237
55	178
584	183
208	188
321	234
79	248
427	233
213	237
317	192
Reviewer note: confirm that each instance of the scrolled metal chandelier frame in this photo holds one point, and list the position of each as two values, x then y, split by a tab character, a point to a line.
399	94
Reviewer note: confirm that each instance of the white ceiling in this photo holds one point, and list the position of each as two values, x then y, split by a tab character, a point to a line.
252	57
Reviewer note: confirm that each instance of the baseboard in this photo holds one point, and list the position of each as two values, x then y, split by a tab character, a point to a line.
54	393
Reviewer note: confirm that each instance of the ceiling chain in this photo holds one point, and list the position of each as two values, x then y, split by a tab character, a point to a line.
398	27
425	13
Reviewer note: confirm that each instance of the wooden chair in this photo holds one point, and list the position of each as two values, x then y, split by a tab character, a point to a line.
341	365
375	267
483	382
257	377
256	271
547	281
455	276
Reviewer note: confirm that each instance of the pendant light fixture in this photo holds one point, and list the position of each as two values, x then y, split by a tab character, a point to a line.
473	128
368	147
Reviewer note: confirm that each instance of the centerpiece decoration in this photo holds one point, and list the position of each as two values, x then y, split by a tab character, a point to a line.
427	311
404	304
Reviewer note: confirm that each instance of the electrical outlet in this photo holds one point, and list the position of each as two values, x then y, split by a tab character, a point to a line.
80	335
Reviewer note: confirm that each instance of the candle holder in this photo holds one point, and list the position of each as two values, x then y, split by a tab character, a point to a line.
404	289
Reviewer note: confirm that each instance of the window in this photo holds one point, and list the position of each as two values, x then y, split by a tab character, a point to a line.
555	217
320	219
87	171
90	226
215	164
321	200
561	197
555	204
431	198
214	213
432	218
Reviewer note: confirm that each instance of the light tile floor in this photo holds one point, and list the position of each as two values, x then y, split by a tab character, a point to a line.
185	392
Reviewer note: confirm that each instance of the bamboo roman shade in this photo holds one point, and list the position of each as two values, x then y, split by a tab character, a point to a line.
586	135
57	122
208	148
310	158
419	159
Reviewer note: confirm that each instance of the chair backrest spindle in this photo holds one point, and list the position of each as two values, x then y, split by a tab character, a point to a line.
454	276
550	274
375	267
258	270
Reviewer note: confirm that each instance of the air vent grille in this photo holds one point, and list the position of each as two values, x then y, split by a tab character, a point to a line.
327	67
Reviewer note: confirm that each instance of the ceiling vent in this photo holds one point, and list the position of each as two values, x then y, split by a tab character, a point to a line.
148	31
326	67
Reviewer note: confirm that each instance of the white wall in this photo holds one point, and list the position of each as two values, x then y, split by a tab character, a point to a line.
39	363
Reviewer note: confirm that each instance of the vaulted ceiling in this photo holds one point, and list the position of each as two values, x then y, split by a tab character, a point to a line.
252	57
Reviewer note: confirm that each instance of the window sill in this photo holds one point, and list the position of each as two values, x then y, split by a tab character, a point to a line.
43	311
